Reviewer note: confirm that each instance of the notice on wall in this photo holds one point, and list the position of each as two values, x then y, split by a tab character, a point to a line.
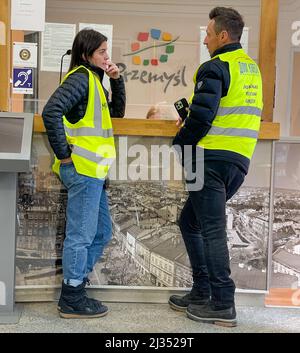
204	54
24	54
22	80
28	15
56	40
106	30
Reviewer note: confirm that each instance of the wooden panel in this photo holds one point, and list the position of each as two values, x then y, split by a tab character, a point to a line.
38	125
17	101
283	297
295	101
5	56
267	54
269	131
143	127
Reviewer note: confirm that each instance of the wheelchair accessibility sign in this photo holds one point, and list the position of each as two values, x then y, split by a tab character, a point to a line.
22	80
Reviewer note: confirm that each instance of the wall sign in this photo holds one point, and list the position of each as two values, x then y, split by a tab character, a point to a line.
28	15
24	54
22	81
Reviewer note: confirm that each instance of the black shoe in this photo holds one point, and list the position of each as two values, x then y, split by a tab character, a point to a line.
180	303
209	314
74	303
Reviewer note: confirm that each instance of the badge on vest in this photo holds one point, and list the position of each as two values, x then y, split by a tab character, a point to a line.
199	85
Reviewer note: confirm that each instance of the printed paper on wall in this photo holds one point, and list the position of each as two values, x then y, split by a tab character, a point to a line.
56	40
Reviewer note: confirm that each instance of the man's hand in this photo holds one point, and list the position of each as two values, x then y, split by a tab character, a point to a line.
112	70
179	121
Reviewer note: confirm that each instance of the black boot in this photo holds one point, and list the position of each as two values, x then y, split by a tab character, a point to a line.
74	303
181	302
211	314
87	283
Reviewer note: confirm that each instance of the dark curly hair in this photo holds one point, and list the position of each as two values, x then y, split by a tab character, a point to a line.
228	19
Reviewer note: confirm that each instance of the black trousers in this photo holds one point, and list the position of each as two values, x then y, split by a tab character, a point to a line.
203	227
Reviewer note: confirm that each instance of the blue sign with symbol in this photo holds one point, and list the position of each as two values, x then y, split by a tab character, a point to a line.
22	81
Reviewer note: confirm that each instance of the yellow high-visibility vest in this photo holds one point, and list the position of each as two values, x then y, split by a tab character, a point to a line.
237	122
91	138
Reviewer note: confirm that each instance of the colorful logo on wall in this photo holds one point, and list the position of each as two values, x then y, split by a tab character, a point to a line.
156	51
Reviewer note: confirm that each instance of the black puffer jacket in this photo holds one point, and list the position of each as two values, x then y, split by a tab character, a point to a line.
70	99
212	83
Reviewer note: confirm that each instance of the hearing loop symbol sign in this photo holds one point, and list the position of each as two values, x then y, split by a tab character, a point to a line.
22	81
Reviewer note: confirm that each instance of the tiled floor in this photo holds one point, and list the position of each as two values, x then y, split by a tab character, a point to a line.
153	318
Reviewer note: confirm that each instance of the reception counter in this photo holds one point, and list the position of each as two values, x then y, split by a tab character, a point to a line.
143	127
146	259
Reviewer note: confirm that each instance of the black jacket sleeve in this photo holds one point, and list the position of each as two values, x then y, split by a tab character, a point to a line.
72	91
118	98
212	82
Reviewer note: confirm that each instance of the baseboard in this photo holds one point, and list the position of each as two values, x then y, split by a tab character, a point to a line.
129	295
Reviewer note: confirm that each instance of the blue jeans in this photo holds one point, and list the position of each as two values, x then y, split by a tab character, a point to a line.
88	226
203	227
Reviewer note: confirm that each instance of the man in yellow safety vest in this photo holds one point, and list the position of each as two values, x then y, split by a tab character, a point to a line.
223	123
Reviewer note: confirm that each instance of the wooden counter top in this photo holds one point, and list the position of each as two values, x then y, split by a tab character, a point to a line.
143	127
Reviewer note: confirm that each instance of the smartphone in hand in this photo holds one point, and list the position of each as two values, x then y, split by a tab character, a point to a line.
181	106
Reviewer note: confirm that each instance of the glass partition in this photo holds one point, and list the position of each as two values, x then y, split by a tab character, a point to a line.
147	248
286	226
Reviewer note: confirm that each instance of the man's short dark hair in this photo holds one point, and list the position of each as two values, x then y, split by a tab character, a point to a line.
228	19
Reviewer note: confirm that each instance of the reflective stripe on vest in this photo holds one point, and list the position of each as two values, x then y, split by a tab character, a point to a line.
92	156
97	130
236	124
91	138
239	110
215	130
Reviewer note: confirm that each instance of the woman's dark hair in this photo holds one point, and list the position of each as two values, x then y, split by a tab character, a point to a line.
84	45
228	19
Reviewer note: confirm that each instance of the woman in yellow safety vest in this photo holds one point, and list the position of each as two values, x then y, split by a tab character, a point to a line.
77	118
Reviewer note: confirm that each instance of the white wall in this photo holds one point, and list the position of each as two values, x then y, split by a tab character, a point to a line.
128	18
289	11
